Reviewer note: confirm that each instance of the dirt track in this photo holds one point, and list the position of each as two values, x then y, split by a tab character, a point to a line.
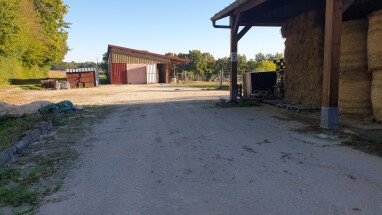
162	153
16	101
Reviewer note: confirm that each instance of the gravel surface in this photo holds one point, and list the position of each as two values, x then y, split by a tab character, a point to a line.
18	101
177	156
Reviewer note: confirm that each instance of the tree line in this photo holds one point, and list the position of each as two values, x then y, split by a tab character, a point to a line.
205	66
202	66
33	36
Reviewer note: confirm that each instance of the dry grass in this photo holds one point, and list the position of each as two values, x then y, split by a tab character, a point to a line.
206	85
56	74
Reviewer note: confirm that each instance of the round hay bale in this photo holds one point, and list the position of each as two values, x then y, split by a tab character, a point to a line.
354	45
375	41
354	94
376	95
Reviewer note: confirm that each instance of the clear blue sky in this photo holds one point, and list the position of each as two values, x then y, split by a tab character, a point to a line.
158	26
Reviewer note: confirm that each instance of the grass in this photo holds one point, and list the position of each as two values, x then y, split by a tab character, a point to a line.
375	139
8	175
17	196
42	169
369	144
12	128
205	85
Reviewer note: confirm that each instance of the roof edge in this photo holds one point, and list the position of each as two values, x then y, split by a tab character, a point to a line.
174	59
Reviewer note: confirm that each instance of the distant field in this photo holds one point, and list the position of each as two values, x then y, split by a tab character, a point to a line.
56	74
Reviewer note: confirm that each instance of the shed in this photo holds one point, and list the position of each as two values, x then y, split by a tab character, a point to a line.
323	20
130	66
82	77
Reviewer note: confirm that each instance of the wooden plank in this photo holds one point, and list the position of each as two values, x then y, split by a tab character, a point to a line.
332	52
243	32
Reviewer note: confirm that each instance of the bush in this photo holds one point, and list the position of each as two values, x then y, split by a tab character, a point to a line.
12	69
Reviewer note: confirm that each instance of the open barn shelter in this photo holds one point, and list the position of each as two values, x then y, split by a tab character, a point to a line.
130	66
319	69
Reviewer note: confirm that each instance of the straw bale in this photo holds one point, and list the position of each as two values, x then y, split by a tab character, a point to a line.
354	45
376	95
355	90
355	81
304	49
375	41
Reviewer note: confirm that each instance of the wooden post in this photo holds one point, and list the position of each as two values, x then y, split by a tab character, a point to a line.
221	77
234	44
333	23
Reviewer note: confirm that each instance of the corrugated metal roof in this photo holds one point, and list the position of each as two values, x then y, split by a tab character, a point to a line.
81	70
147	55
224	13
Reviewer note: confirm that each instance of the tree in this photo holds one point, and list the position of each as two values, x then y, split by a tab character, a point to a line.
210	65
260	57
51	13
198	63
265	66
32	37
242	65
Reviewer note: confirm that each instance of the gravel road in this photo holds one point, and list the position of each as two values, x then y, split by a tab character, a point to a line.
176	156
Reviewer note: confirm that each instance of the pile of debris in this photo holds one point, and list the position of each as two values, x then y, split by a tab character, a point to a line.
53	84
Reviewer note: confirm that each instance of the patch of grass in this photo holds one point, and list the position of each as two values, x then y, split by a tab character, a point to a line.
206	85
223	88
8	175
12	128
370	145
31	87
17	196
375	139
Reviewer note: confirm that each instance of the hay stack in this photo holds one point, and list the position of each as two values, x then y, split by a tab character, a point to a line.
304	50
376	95
375	41
355	81
374	44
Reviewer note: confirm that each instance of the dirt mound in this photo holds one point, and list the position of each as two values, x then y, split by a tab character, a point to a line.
355	80
304	56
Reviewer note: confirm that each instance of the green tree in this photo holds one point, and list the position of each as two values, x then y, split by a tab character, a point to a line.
265	66
51	13
242	65
198	63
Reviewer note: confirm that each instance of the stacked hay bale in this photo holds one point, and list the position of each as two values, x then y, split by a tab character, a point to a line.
304	56
375	62
355	80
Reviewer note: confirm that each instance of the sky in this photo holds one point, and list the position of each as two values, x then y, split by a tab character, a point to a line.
158	26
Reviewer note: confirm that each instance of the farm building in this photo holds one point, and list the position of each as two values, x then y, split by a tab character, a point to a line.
333	51
130	66
83	77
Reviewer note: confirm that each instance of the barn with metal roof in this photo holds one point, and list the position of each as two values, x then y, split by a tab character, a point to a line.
131	66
